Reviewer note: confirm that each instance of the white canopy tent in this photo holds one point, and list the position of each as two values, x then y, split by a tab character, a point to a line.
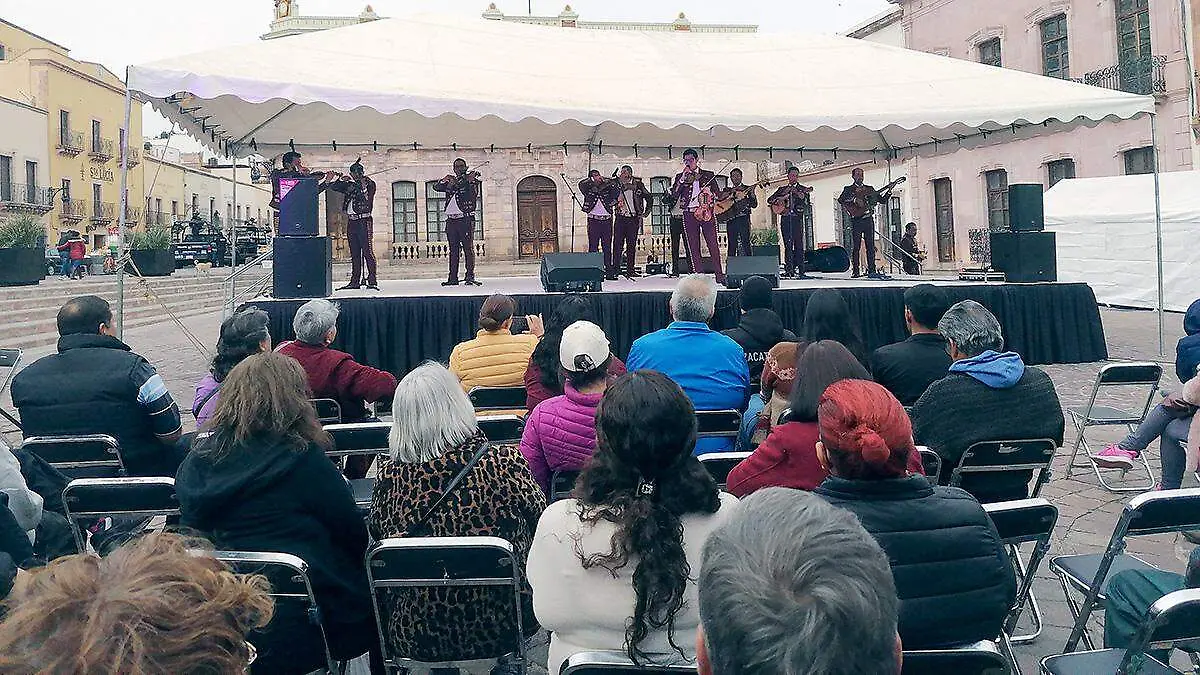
1106	237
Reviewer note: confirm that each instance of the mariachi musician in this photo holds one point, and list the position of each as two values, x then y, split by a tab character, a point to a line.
696	190
633	204
462	192
675	213
738	226
791	202
358	191
600	197
292	168
858	200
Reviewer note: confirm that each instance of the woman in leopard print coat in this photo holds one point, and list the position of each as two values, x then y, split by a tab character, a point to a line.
433	437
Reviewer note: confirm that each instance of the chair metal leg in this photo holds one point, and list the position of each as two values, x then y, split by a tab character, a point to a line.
1079	630
1030	600
1149	485
1006	649
1079	431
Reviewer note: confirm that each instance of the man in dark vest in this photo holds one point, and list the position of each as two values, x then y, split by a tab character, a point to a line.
96	385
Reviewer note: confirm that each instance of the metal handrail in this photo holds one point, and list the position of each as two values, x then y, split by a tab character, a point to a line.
893	260
258	286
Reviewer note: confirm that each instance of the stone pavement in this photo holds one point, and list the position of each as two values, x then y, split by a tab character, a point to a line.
1087	512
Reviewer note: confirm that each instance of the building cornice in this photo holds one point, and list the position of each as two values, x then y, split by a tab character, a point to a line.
19	104
66	68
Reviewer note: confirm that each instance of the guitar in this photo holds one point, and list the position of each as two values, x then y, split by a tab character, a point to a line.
784	205
860	206
724	208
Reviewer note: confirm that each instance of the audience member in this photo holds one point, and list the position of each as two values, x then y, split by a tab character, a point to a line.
151	607
709	367
33	514
335	374
908	368
96	385
434	439
1129	595
16	548
790	584
759	327
987	396
243	334
611	569
257	479
953	576
560	435
495	357
788	458
544	375
826	317
1169	420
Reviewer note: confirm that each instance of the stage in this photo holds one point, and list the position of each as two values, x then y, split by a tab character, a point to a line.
409	321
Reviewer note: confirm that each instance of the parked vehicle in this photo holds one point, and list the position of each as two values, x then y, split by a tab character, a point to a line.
204	247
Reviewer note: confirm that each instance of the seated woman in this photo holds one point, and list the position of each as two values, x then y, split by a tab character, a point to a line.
242	335
151	606
495	357
560	435
788	457
615	567
543	376
257	479
433	439
953	577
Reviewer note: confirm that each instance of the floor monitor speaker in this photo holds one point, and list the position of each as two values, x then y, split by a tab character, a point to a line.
572	272
741	268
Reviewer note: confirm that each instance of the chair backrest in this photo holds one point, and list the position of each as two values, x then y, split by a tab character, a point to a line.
931	462
10	358
1134	374
1172	619
617	663
1023	520
718	423
329	411
487	399
441	562
561	484
980	658
719	464
1160	512
1002	456
291	589
502	428
358	438
89	498
82	456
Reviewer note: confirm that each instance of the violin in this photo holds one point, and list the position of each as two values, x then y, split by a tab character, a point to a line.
459	181
706	202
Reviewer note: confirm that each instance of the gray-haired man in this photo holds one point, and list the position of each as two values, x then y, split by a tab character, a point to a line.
792	584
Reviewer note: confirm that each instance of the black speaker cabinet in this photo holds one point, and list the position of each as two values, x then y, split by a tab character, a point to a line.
298	206
831	259
1025	257
1025	207
303	267
743	267
572	272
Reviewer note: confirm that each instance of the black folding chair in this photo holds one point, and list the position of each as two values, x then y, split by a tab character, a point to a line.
719	464
329	411
931	463
497	399
980	658
1019	522
502	429
1088	574
10	358
718	423
617	663
82	456
561	484
359	438
998	457
292	591
1115	375
442	562
1173	619
90	498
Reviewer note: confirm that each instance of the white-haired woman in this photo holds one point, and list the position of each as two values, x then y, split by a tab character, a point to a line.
433	438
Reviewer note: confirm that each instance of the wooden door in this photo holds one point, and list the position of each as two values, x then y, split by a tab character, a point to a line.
537	217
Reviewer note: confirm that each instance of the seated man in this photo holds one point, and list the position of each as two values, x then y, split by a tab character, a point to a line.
988	396
1130	594
96	385
792	584
908	368
709	367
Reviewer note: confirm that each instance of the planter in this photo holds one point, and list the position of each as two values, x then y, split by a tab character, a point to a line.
766	250
152	262
22	266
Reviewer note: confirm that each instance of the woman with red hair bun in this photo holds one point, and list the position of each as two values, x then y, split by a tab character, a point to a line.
953	577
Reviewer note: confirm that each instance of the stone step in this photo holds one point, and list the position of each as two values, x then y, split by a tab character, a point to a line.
134	299
132	320
103	285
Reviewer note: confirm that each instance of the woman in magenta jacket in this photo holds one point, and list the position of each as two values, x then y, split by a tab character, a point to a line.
560	434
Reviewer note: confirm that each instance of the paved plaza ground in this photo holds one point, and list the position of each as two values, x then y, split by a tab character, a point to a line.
1087	512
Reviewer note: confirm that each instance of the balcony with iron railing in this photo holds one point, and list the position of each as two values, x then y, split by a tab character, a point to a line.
132	156
16	197
158	218
1144	75
70	142
103	213
102	149
132	214
72	210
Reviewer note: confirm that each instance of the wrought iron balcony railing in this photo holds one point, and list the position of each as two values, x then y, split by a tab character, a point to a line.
73	210
103	212
132	156
1144	75
132	214
102	149
70	142
158	218
16	195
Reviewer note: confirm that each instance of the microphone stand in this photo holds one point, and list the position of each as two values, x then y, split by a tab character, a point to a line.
576	202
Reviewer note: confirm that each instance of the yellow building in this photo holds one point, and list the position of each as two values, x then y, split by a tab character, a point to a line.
86	106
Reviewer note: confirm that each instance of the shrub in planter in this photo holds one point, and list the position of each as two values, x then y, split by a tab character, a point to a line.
150	253
22	258
764	242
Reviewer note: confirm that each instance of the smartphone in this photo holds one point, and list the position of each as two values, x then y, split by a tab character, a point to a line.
520	324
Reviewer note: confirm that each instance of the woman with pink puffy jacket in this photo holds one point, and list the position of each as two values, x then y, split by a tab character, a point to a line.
560	433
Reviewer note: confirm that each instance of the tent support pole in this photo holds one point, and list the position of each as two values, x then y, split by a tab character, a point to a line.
1158	241
124	202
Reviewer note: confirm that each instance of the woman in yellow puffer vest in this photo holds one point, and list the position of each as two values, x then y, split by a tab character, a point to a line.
496	357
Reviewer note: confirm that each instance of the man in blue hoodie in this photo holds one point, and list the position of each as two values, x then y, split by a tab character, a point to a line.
989	395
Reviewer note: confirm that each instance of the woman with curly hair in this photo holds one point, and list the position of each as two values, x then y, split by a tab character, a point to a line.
243	334
544	377
614	567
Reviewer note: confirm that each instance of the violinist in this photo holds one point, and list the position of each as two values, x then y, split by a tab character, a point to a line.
462	192
858	200
744	201
633	204
358	192
292	168
600	196
695	189
794	201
